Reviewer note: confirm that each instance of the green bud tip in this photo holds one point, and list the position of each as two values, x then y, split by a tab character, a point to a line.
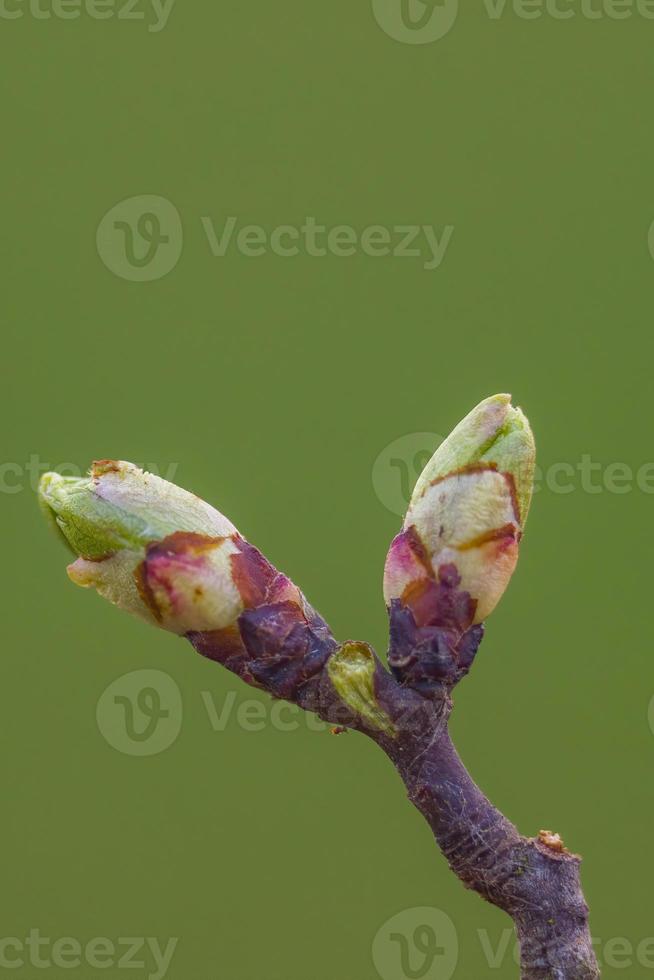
495	434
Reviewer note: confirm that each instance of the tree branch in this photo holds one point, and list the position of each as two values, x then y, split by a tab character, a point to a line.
536	881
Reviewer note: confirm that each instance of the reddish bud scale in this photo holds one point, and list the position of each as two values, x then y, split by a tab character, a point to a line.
278	643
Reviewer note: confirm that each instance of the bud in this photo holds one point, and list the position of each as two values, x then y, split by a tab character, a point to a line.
447	569
352	669
161	553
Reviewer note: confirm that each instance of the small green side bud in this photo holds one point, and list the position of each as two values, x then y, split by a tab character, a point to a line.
352	672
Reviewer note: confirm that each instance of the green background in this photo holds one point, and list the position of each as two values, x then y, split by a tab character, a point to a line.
274	384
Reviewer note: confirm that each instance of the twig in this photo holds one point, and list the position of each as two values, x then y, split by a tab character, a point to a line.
536	881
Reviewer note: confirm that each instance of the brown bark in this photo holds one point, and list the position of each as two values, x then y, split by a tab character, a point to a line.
535	880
